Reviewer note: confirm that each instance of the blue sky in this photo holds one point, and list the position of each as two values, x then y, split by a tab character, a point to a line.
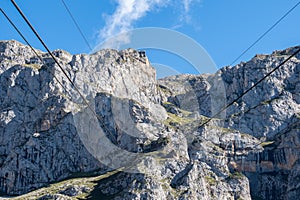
223	28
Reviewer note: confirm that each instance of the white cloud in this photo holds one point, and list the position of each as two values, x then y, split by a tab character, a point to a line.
186	4
127	13
185	15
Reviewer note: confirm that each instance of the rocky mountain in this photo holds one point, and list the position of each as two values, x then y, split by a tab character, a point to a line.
135	137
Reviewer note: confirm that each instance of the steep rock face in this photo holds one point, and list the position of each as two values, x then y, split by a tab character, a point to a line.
263	112
273	104
39	141
151	131
276	175
270	112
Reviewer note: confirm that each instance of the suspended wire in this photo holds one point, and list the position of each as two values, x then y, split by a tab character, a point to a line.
48	50
76	24
207	121
245	51
252	87
61	68
34	51
265	33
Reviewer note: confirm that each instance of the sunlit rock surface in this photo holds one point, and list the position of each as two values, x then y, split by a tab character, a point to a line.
142	138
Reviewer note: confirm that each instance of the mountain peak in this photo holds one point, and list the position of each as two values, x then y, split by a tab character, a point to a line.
138	134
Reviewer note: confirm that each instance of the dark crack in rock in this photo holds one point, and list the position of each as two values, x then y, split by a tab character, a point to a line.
143	139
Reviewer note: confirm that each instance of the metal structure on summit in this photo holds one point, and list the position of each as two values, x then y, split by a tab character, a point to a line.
142	54
141	57
136	55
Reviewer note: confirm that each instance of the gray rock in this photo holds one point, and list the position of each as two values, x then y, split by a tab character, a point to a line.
148	129
54	197
72	191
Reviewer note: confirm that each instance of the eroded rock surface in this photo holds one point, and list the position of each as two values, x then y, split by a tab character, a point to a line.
150	131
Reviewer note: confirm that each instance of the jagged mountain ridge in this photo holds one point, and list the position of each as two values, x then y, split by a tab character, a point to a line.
41	140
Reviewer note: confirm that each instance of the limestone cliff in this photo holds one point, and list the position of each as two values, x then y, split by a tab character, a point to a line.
140	138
